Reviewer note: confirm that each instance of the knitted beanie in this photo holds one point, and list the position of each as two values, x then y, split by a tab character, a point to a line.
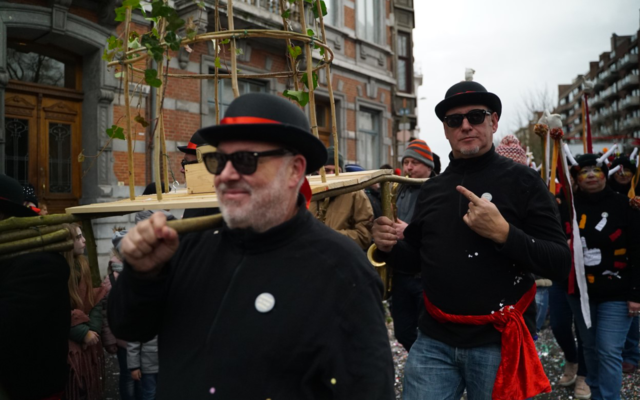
626	163
419	150
331	160
510	147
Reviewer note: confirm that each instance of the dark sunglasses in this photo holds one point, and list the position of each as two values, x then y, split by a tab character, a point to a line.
245	162
475	117
185	162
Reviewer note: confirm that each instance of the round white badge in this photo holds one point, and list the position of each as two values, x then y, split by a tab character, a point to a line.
265	302
605	215
487	196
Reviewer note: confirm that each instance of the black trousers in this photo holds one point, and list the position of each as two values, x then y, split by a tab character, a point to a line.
406	305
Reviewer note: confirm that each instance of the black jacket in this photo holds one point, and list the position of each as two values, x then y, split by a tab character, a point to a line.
466	274
35	316
612	253
325	338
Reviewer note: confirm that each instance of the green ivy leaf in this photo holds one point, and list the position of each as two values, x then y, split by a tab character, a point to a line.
115	132
225	41
309	1
131	3
304	80
81	156
119	75
323	8
286	14
295	51
140	119
201	4
239	51
172	40
121	14
217	63
114	43
310	32
151	77
191	34
153	45
175	23
299	96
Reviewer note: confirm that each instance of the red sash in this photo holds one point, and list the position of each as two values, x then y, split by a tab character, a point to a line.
520	374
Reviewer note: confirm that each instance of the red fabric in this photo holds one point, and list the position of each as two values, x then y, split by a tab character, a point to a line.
305	190
619	264
192	146
520	374
615	235
246	120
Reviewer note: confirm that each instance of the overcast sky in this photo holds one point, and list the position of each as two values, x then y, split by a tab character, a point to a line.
515	47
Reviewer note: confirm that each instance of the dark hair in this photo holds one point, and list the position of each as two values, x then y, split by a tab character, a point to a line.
436	164
386	166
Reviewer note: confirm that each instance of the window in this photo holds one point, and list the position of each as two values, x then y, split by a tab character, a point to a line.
39	64
404	73
323	116
368	138
333	11
225	95
368	20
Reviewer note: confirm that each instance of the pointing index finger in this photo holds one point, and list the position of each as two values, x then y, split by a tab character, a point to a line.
469	195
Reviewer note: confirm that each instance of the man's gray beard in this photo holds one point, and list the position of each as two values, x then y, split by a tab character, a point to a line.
267	208
470	152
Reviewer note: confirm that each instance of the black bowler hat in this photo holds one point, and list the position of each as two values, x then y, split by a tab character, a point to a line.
263	117
467	93
11	198
195	141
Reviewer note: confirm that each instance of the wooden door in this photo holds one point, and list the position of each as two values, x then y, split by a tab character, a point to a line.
44	139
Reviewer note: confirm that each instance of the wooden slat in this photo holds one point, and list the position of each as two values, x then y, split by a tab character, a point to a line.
184	199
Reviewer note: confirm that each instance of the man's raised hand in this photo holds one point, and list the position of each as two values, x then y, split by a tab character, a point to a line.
150	244
484	218
384	234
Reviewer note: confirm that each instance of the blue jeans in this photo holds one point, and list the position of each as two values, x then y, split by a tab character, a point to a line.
542	306
436	371
406	305
561	318
126	383
631	353
147	387
603	344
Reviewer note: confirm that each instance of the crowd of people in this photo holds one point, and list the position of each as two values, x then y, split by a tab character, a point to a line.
281	302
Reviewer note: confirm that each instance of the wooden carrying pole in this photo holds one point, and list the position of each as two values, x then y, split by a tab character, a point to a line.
294	67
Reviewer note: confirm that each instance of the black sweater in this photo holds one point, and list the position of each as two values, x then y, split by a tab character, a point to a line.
35	316
466	274
612	253
325	338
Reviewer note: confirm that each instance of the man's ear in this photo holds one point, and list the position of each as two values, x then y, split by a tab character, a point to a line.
494	121
298	169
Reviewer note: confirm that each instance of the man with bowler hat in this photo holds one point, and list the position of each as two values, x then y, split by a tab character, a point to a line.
273	304
479	231
35	314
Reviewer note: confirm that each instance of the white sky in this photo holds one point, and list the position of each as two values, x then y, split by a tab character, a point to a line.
515	47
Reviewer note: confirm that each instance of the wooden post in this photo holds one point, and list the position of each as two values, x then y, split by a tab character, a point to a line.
87	231
234	68
312	99
216	22
294	68
157	135
127	107
327	68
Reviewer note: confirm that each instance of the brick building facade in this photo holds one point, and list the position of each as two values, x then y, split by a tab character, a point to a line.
58	98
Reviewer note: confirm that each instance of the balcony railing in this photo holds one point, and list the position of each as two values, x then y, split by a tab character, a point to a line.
596	101
609	92
630	123
272	6
628	61
629	80
629	102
